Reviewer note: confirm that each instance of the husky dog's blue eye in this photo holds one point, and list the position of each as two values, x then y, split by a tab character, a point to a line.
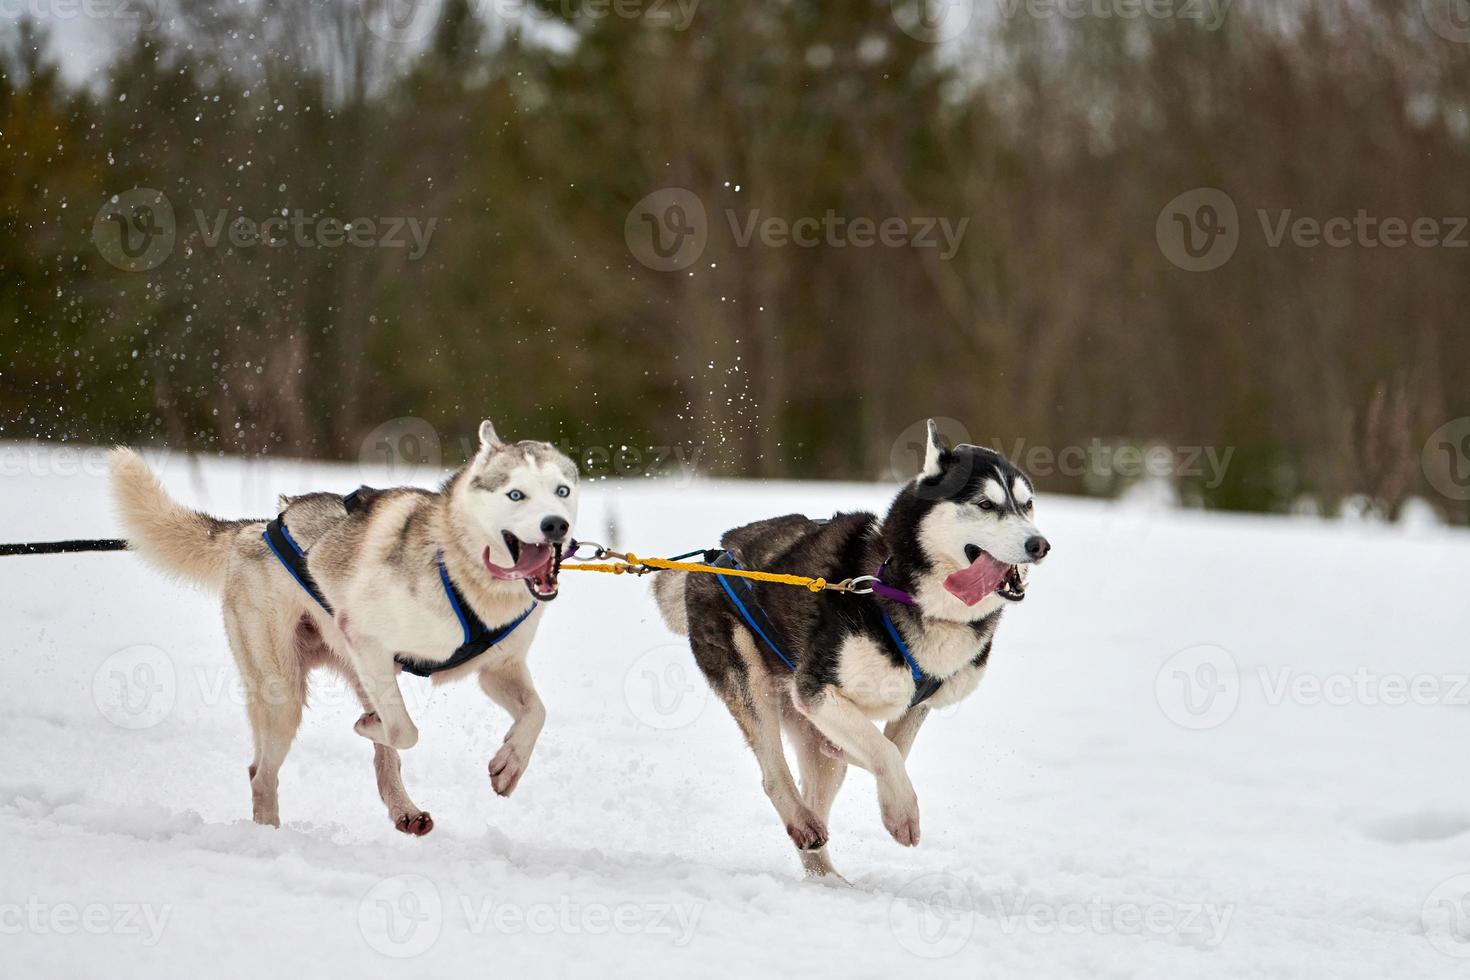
986	505
516	495
563	491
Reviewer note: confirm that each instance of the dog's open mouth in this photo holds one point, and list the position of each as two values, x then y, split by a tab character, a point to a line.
985	575
534	563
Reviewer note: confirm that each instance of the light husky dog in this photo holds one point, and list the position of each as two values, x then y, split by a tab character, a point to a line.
403	579
956	543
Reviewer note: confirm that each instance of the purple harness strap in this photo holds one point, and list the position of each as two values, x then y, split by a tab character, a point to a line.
887	591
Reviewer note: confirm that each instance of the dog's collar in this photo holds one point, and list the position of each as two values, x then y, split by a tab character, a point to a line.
882	588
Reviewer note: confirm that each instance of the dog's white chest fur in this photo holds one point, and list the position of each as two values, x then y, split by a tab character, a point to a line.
420	623
944	648
872	681
405	622
868	676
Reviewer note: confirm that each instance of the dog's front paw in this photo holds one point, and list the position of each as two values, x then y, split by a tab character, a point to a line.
403	735
370	726
902	820
416	824
507	768
807	830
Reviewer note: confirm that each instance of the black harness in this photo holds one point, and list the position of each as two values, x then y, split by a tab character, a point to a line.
477	636
925	685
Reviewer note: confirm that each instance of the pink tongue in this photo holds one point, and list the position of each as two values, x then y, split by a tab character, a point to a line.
534	558
983	577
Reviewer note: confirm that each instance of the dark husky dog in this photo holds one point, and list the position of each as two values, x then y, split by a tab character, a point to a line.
952	553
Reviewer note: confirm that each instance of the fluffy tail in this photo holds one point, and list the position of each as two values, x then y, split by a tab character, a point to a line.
165	533
668	590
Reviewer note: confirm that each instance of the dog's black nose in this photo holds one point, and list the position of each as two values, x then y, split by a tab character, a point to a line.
1036	547
555	528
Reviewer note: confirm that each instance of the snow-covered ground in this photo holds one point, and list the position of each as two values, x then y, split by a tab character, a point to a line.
1207	747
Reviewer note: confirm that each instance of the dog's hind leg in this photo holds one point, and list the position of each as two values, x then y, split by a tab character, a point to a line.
755	701
821	778
509	685
275	693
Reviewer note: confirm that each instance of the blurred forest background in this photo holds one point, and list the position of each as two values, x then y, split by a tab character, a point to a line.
529	130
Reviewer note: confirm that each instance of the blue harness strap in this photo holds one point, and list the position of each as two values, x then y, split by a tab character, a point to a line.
925	685
727	560
477	636
289	553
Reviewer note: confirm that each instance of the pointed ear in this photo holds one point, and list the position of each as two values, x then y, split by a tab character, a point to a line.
489	441
934	453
